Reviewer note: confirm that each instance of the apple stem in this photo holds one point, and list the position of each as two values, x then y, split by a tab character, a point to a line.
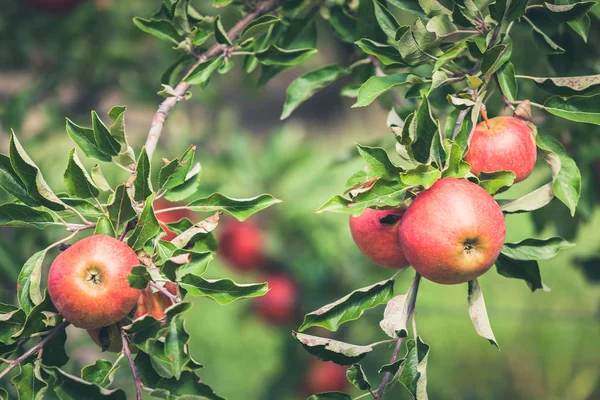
410	311
127	351
484	116
37	348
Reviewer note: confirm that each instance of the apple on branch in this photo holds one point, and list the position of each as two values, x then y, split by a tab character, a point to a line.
452	232
375	233
88	282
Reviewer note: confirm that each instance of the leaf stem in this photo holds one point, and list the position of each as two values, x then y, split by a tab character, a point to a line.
163	290
165	108
38	347
127	352
410	311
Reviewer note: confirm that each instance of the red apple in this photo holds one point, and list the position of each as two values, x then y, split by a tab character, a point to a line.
110	340
375	232
88	282
154	304
55	5
170	216
452	232
241	245
508	144
325	377
278	306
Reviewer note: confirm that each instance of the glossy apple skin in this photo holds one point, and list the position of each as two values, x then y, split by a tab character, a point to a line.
377	240
169	217
325	377
154	304
508	145
88	282
55	5
452	232
114	338
241	245
278	306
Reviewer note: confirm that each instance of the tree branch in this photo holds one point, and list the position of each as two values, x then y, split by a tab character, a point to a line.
175	299
410	310
127	351
167	105
38	347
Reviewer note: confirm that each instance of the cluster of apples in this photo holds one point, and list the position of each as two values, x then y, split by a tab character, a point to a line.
452	232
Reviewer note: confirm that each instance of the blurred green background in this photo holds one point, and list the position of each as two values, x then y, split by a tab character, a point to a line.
63	64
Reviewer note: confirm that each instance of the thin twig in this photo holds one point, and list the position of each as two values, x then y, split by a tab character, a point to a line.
38	347
167	105
410	310
163	290
127	351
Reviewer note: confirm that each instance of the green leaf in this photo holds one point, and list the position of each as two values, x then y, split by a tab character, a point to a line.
238	208
424	130
531	201
357	377
175	173
387	54
84	138
203	71
221	3
28	384
12	320
196	265
584	109
382	194
69	387
99	180
188	387
104	140
456	167
28	283
416	45
494	181
24	216
413	375
101	373
527	270
442	25
223	291
379	162
494	59
120	210
176	347
543	41
566	85
160	28
326	349
141	185
180	17
32	177
188	188
536	249
139	277
454	52
386	19
12	184
581	27
330	396
569	12
478	313
395	317
305	86
566	178
117	129
54	351
77	180
410	6
422	175
220	33
274	55
258	26
343	23
508	81
350	307
375	86
147	227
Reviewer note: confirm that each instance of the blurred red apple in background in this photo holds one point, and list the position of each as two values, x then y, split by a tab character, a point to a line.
375	233
241	244
278	306
88	282
325	377
170	216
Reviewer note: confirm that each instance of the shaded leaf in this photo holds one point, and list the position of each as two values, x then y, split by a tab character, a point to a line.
357	377
478	313
160	28
147	227
274	55
584	109
413	376
101	373
332	350
141	185
529	271
223	291
375	86
24	216
77	180
531	201
238	208
535	249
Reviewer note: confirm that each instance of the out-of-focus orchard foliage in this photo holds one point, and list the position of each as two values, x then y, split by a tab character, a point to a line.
54	65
